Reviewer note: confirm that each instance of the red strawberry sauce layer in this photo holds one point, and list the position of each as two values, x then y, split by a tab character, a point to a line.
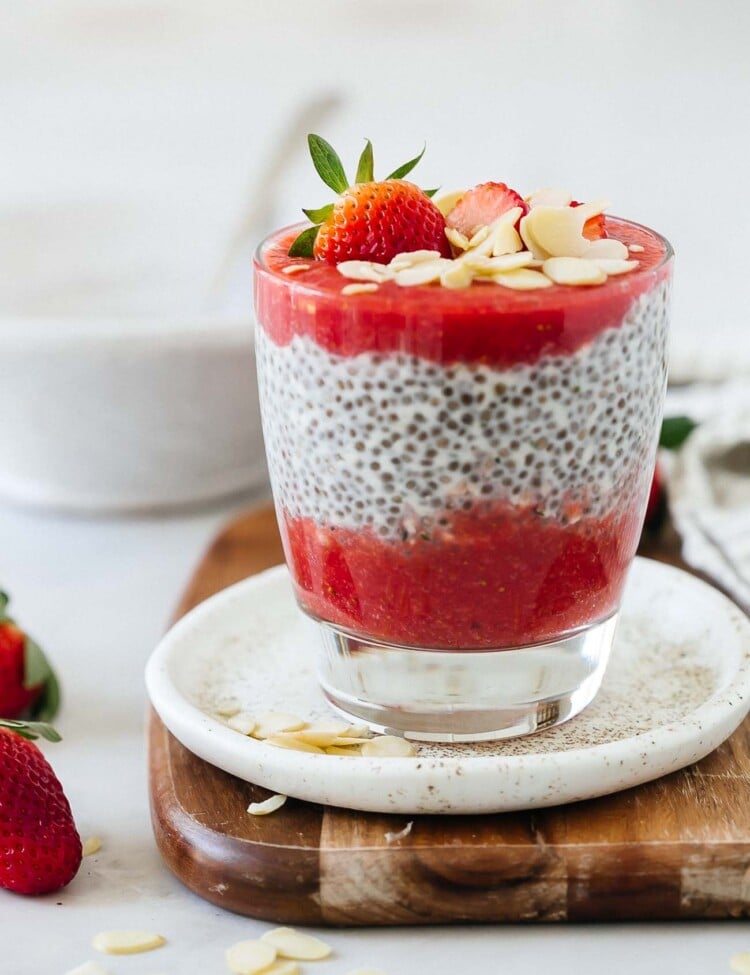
478	572
502	577
485	324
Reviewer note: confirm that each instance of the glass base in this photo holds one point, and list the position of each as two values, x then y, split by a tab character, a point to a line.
462	695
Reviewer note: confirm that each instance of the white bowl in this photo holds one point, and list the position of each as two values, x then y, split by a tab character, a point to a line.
122	387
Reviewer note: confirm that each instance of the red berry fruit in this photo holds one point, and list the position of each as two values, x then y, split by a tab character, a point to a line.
371	220
594	228
480	206
40	849
27	682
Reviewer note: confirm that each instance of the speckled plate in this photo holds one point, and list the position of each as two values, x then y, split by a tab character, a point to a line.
677	685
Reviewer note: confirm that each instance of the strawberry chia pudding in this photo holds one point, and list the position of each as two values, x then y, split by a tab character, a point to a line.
461	430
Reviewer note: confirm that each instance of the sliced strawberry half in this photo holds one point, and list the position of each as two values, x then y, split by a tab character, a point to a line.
594	228
482	205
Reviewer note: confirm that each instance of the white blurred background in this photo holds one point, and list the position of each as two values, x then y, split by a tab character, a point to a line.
148	144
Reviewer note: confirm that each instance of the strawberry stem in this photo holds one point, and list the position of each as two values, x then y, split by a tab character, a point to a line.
407	166
319	215
31	730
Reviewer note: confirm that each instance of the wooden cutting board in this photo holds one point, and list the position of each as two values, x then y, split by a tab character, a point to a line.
676	848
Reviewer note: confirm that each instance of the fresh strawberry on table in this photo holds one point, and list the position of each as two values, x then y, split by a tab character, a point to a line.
27	682
371	220
40	849
482	205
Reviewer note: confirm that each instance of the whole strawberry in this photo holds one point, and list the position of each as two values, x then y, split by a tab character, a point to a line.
27	682
40	849
371	220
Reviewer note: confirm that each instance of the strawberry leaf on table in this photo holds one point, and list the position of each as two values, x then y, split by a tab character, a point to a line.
366	165
675	430
327	163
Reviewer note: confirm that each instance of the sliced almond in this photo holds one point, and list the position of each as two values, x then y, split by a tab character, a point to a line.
349	741
548	196
127	942
479	236
457	276
293	744
455	237
506	240
573	270
359	289
613	266
227	709
388	746
320	736
88	968
282	966
555	231
365	271
410	258
636	248
250	957
497	232
91	846
447	201
607	248
296	946
522	279
424	273
295	268
266	807
337	750
493	265
274	722
243	722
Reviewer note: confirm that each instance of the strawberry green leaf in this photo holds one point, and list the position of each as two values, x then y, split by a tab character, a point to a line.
366	165
675	430
318	216
4	600
407	166
327	163
31	730
431	193
37	670
303	245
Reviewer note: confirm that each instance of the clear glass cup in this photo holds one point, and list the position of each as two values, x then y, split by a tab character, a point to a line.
460	479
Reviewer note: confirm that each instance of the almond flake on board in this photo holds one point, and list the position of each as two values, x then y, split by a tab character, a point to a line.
250	957
91	846
388	746
295	945
359	289
266	807
522	279
295	268
126	942
573	270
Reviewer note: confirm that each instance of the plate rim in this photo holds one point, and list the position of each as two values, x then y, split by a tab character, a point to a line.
704	727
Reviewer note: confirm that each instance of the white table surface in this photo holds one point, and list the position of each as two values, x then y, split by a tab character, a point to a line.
97	594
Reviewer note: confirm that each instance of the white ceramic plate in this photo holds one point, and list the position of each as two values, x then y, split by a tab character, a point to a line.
677	685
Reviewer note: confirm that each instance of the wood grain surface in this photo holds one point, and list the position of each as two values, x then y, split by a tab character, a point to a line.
675	848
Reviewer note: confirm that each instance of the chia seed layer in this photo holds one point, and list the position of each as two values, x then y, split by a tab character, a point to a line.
385	441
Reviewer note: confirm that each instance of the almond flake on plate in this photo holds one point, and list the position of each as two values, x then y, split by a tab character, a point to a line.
127	942
266	807
243	722
227	709
250	957
282	966
293	744
573	270
320	736
350	752
358	289
296	946
522	279
274	722
388	746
